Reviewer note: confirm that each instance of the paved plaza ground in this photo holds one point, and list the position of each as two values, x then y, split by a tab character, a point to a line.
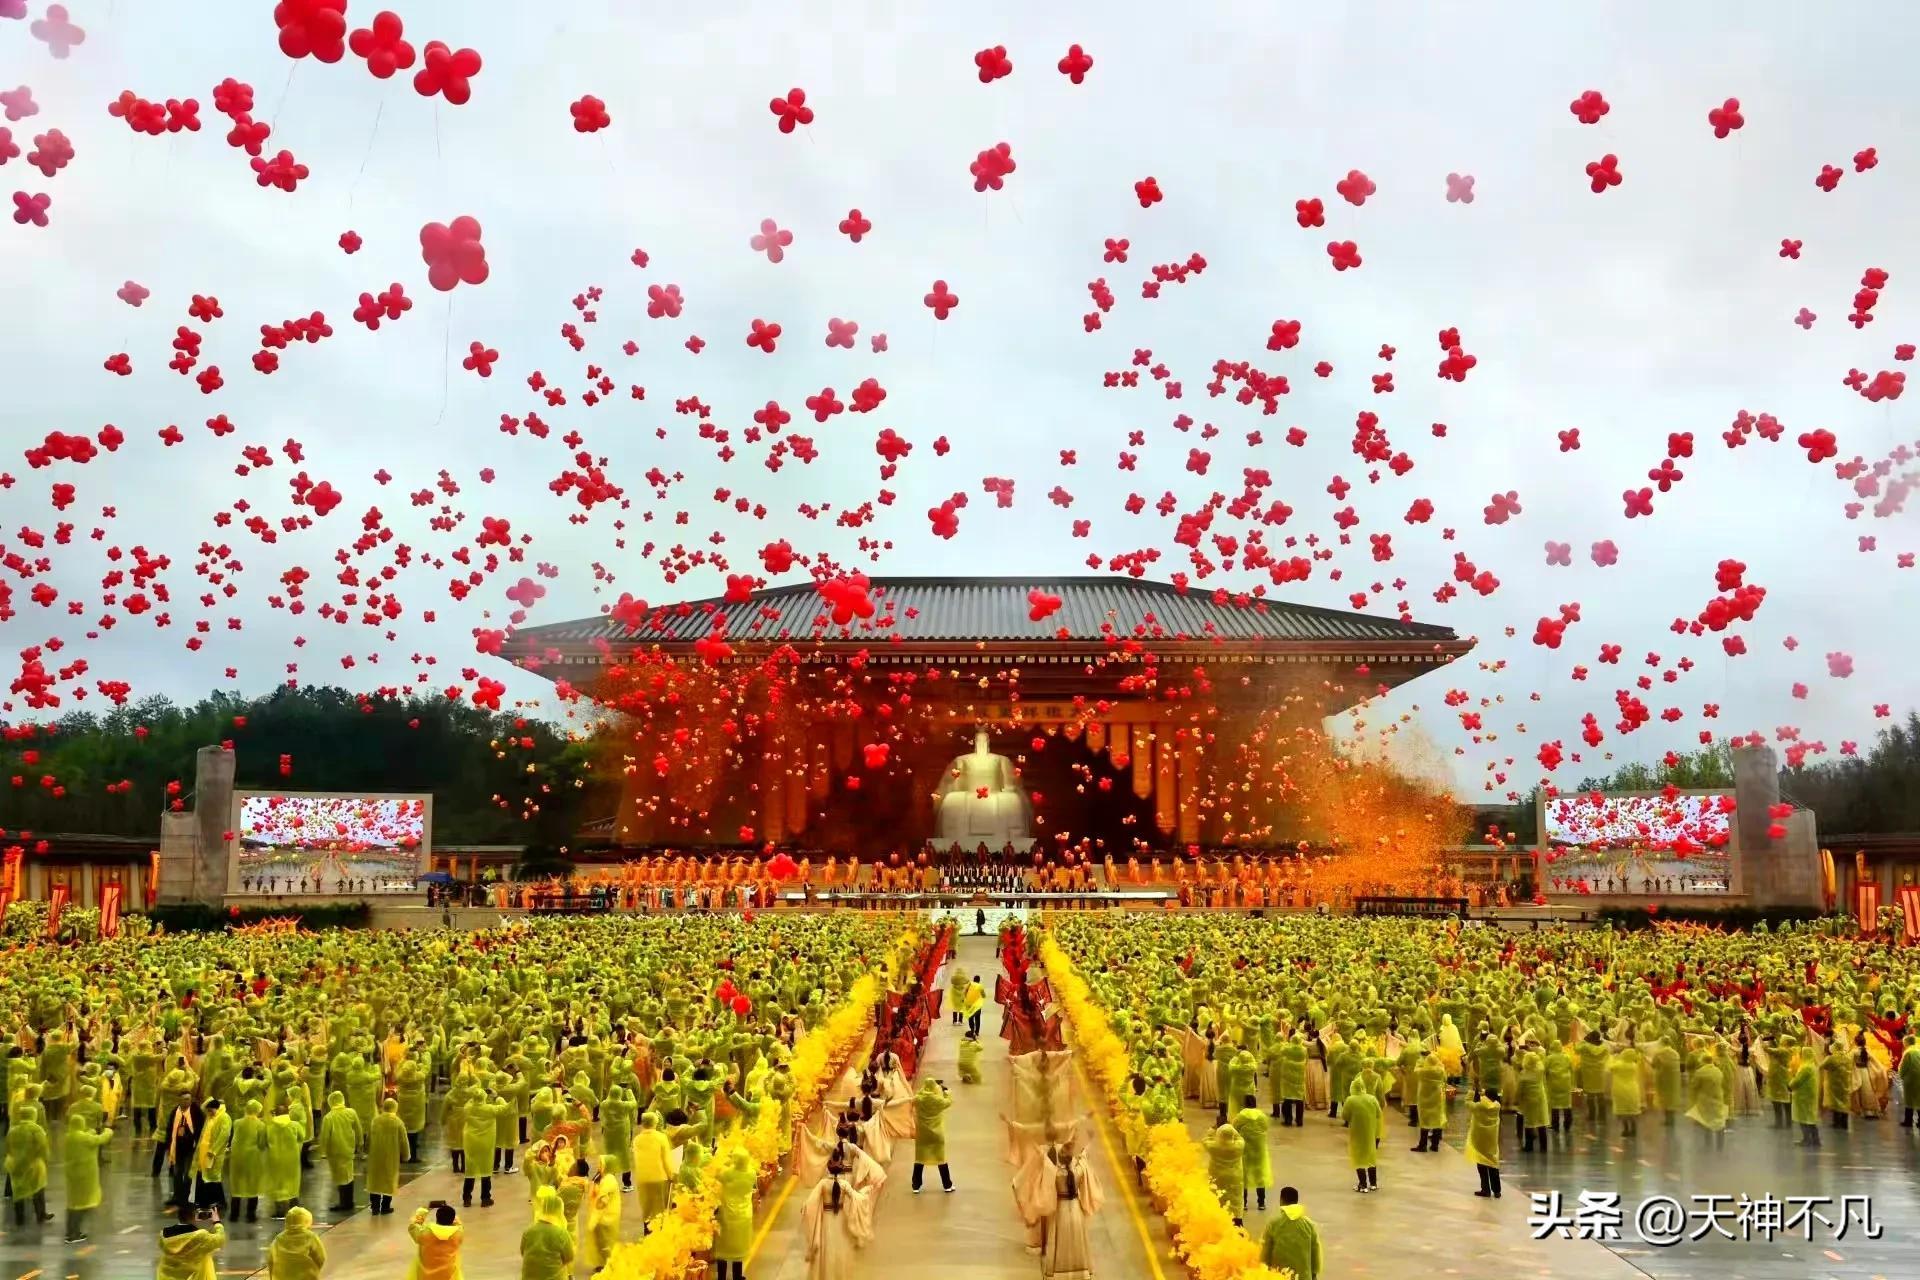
1424	1220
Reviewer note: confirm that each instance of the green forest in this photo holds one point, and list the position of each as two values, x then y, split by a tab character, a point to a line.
114	769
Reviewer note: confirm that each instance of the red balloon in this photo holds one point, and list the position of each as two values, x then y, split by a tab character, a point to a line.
590	115
742	1006
453	253
446	72
1604	173
994	64
1726	118
1589	107
1076	64
312	28
382	46
792	110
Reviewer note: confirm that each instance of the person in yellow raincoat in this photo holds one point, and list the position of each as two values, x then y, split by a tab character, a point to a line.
972	1001
1430	1100
970	1053
1709	1101
210	1157
733	1224
1483	1142
1531	1101
652	1168
437	1237
600	1221
1361	1116
386	1144
296	1253
1625	1070
1450	1050
1291	1242
1256	1161
83	1172
27	1150
546	1246
1226	1167
339	1141
1804	1086
187	1249
930	1132
1592	1058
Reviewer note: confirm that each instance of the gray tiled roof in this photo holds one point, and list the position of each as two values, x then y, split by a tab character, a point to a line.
953	609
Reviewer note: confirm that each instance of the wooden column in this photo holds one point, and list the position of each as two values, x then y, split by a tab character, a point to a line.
1166	796
773	794
1192	785
820	778
796	779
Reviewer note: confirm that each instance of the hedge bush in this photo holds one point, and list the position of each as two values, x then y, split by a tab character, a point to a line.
1731	918
195	917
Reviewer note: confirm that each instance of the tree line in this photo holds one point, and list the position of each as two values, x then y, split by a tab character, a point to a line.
496	778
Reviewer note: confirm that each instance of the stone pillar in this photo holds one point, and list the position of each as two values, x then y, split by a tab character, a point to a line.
178	839
1769	872
1756	787
196	858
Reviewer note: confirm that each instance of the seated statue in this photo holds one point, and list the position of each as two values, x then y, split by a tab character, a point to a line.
981	800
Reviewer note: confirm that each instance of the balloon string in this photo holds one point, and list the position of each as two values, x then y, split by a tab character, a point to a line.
377	112
291	68
446	363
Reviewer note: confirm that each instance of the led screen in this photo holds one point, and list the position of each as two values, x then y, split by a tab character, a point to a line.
1681	824
328	843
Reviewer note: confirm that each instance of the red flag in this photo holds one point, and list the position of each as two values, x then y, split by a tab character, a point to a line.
55	905
1910	907
1867	904
110	895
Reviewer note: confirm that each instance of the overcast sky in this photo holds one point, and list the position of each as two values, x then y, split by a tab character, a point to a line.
1662	305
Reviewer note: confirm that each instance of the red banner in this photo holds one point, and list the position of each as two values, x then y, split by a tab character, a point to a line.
110	895
56	904
153	877
1866	899
1910	907
10	876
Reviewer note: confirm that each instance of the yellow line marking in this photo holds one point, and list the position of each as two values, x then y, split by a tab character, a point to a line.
1123	1171
766	1224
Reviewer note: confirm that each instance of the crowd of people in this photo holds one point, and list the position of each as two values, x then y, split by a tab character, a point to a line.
602	1060
1240	1024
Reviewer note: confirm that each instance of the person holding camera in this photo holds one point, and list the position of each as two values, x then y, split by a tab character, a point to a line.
437	1236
